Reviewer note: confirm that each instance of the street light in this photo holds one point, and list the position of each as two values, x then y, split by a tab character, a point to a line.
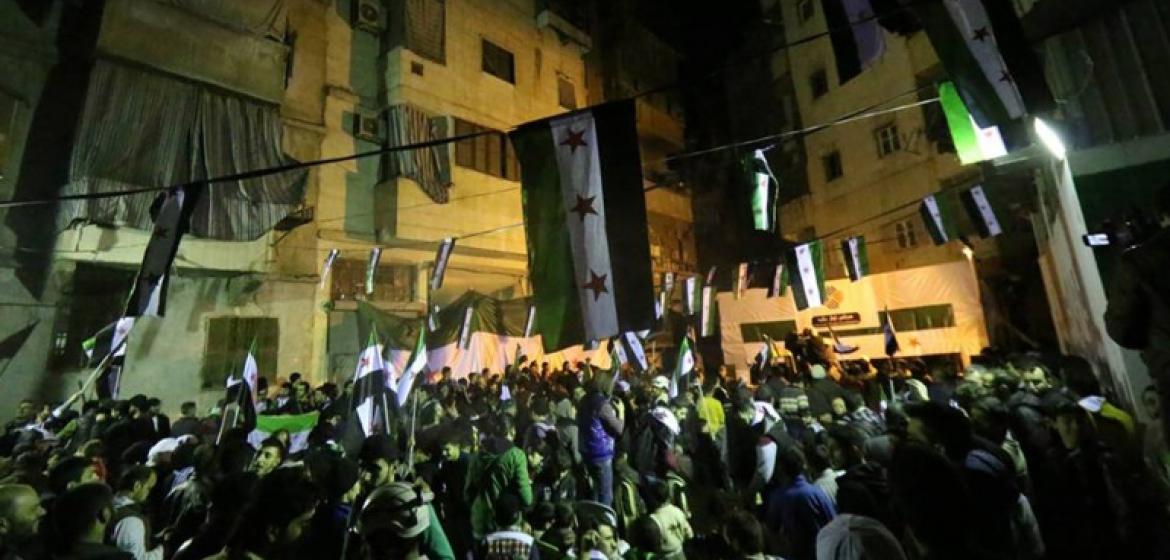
1050	138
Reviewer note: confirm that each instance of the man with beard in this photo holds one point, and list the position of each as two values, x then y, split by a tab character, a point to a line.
20	515
276	520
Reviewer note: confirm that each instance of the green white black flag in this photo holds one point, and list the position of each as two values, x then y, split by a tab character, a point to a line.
707	306
441	258
585	218
808	282
855	257
414	367
764	189
981	212
779	281
684	366
171	221
691	295
938	217
372	269
972	142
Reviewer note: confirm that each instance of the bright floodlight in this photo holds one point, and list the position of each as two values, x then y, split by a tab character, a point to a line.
1050	139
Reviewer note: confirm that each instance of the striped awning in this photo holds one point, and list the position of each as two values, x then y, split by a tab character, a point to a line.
429	167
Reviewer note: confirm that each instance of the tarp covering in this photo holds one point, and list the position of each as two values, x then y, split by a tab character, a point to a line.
952	284
497	327
144	129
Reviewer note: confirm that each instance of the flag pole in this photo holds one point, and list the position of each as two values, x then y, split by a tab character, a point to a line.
89	381
410	447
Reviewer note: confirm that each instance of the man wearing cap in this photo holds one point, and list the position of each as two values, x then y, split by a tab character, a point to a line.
598	427
398	521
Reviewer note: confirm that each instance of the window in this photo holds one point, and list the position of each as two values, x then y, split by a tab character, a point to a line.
394	283
97	298
832	163
424	28
499	62
819	83
566	95
227	344
807	10
490	153
907	236
888	140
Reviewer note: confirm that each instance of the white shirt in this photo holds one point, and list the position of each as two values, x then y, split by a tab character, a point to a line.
130	535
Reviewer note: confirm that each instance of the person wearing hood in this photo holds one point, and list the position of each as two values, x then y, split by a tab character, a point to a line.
499	467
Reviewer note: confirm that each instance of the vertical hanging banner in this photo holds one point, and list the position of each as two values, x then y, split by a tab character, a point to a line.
741	279
855	257
530	323
779	281
939	220
764	191
465	329
327	267
691	294
171	221
808	282
441	257
707	326
372	269
433	319
981	212
585	219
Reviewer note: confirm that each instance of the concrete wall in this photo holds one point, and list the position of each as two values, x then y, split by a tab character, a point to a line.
872	185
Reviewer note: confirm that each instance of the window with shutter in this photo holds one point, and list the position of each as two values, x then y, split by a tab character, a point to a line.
425	28
394	283
492	154
499	62
228	341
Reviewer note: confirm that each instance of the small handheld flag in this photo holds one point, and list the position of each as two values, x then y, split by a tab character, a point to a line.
414	366
372	269
840	347
634	349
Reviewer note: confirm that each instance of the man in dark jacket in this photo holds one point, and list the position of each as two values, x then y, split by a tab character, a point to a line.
598	426
1138	315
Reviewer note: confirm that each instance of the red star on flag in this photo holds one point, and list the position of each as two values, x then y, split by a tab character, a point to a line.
574	139
584	206
597	284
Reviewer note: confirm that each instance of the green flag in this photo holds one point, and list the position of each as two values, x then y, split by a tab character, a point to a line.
808	281
855	257
684	366
973	144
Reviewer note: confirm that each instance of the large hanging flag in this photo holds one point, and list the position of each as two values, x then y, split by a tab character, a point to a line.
298	427
684	366
808	283
369	387
982	47
939	218
972	142
764	191
856	36
891	336
441	258
372	269
328	266
779	283
981	212
585	216
173	219
856	257
414	367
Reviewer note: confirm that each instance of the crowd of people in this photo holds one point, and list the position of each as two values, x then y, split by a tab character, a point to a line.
1017	457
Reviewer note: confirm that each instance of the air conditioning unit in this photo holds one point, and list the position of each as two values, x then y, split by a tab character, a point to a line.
367	15
367	126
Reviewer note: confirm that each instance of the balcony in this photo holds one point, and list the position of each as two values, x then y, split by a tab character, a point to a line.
568	18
